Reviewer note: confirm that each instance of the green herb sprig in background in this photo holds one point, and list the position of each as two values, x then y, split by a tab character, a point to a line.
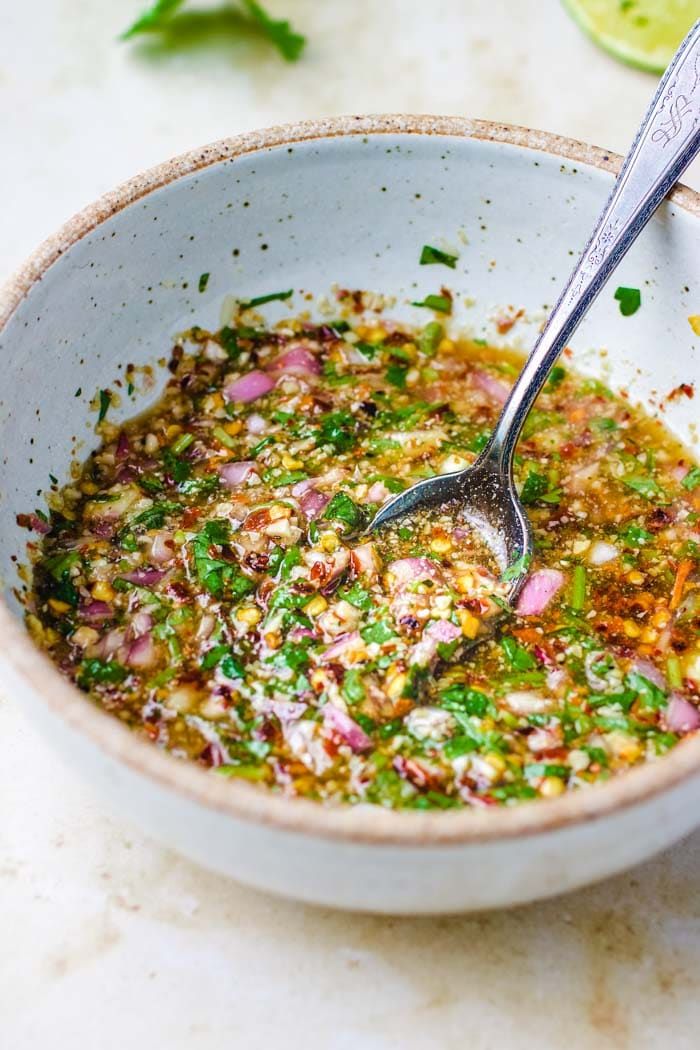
246	15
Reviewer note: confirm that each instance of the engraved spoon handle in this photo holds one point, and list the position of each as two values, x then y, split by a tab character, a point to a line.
667	141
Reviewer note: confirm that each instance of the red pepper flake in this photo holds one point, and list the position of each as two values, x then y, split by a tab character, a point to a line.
508	318
683	388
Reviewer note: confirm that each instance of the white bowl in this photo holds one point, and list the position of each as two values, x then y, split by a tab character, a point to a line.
348	201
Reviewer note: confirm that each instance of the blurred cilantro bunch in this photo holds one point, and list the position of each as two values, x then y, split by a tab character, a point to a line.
165	17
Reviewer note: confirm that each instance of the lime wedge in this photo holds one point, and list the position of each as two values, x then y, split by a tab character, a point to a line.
643	33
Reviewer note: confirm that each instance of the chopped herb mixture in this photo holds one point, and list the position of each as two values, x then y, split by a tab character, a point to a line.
204	582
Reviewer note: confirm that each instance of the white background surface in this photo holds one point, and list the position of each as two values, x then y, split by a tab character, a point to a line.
108	941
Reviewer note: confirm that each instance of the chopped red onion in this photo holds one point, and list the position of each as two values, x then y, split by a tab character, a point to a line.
378	492
439	632
650	671
249	387
144	577
162	548
141	623
142	652
339	722
109	644
364	560
341	646
297	361
491	386
681	716
313	503
122	449
285	710
96	611
37	524
233	474
539	590
409	570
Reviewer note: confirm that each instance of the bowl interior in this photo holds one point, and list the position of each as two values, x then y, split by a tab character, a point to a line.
351	211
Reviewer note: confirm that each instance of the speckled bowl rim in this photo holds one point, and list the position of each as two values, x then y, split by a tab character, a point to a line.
360	823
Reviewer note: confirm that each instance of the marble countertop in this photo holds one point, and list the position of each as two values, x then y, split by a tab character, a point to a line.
108	940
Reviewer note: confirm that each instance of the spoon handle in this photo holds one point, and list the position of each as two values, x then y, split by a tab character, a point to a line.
667	141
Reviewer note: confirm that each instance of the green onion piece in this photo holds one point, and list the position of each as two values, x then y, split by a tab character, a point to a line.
692	479
181	443
203	282
263	443
225	439
674	674
430	337
434	255
578	588
259	300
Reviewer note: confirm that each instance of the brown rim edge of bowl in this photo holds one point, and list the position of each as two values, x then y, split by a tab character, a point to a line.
371	825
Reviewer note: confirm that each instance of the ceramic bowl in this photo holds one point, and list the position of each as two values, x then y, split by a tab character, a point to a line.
347	201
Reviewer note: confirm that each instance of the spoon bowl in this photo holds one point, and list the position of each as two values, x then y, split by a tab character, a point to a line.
487	501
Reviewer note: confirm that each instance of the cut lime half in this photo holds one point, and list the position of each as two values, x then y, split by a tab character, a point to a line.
643	33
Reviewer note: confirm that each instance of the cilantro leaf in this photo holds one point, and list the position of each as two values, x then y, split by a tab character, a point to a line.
216	575
441	303
353	687
630	299
692	479
645	486
342	508
396	375
105	402
516	656
280	33
519	566
434	255
337	429
152	18
377	632
97	672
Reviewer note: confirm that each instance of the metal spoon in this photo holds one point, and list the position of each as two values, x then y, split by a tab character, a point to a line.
667	141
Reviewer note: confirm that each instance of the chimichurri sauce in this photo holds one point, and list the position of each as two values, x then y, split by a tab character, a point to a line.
203	582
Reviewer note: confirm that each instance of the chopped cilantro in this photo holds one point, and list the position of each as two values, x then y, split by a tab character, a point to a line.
556	377
342	508
645	486
431	255
100	672
546	769
105	402
441	303
466	700
338	430
517	568
396	375
353	687
228	338
378	632
516	655
630	299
